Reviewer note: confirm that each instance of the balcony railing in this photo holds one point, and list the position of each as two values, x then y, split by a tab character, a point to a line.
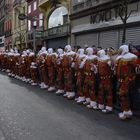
39	34
62	30
57	31
85	4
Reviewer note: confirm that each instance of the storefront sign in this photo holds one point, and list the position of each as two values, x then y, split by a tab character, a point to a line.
101	16
110	14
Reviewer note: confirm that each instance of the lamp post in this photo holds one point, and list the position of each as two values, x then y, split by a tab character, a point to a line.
23	17
34	38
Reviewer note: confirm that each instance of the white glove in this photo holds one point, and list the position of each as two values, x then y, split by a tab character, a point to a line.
43	61
33	63
82	65
94	68
109	63
73	65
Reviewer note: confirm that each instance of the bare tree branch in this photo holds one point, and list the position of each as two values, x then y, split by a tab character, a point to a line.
132	11
121	14
126	11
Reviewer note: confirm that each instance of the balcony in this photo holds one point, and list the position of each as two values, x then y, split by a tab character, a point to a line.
86	4
58	31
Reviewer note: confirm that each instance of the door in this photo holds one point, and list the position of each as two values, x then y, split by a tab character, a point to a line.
57	42
108	39
88	39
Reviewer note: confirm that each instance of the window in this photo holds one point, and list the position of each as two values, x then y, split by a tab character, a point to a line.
29	9
41	20
58	17
35	6
29	25
35	23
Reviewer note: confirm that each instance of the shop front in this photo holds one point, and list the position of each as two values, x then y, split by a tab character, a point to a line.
102	26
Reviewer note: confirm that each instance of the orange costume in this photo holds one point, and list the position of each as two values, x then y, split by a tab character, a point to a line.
125	69
90	70
105	102
79	73
28	64
43	68
10	65
60	74
50	63
16	61
33	68
67	61
23	66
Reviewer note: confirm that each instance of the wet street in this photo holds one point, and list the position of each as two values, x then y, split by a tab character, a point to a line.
29	113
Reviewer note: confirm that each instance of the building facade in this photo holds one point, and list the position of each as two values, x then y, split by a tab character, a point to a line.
8	23
98	23
56	22
2	21
35	20
19	27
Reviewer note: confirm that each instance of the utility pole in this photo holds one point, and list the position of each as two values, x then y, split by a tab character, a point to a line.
34	38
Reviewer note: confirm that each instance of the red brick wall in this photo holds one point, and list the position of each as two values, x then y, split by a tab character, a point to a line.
34	13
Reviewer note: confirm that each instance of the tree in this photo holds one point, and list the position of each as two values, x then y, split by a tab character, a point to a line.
21	34
124	15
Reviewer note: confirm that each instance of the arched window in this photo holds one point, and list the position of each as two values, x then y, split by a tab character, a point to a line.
58	17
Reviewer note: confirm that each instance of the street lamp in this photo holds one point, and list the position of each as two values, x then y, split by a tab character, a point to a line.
23	17
34	37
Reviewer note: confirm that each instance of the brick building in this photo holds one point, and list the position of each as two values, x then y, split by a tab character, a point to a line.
19	28
35	20
56	23
2	21
8	23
